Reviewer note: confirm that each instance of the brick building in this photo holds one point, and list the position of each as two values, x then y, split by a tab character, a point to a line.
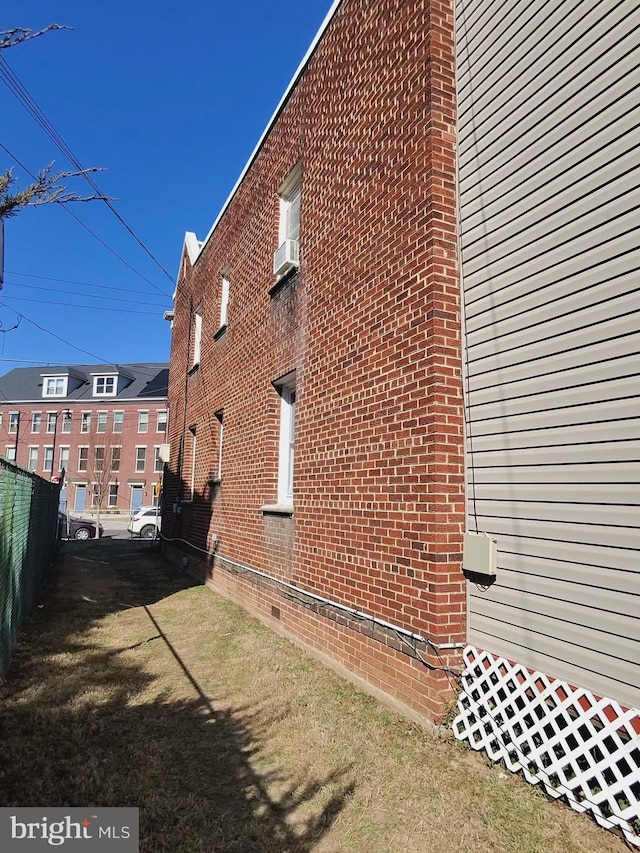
404	377
102	424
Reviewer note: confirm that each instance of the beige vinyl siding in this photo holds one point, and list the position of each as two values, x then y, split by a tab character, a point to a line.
549	190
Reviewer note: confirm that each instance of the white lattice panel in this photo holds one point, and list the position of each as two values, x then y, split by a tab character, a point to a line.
575	745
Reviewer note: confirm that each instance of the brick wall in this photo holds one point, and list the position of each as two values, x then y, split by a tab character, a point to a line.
371	326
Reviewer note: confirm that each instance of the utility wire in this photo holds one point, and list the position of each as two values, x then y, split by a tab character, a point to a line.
83	224
23	95
73	281
85	307
87	295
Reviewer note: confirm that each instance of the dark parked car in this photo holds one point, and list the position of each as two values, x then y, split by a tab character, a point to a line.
76	528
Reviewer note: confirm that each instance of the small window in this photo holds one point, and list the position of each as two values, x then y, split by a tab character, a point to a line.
66	421
115	459
190	463
197	338
54	386
143	421
48	459
64	459
101	421
14	420
83	458
99	459
113	495
118	420
141	459
10	452
224	301
104	386
161	422
36	421
286	387
219	416
32	463
52	421
85	422
157	462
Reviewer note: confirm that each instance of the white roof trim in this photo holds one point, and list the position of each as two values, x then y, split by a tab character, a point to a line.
190	238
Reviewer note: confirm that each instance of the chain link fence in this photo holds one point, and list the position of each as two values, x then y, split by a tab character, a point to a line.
28	534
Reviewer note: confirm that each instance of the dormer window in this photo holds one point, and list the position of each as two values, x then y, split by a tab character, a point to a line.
104	386
54	386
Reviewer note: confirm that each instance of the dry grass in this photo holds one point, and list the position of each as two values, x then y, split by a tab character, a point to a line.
132	687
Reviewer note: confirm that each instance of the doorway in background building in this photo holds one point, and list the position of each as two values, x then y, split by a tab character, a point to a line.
137	494
81	498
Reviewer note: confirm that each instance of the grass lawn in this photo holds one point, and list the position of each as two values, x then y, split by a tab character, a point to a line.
131	686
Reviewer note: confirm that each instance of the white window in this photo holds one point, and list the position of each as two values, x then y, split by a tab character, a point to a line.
143	421
36	421
220	418
85	421
96	495
48	459
52	420
224	301
14	420
32	463
161	423
54	386
113	494
66	421
83	458
286	387
118	418
197	338
157	462
115	459
101	421
141	459
191	440
290	214
99	459
64	459
10	452
104	386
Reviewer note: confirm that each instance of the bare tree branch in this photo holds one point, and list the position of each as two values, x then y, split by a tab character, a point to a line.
45	190
16	35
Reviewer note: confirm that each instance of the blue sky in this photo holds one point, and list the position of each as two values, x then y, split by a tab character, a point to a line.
170	99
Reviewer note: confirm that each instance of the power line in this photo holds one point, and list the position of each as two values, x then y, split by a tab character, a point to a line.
84	225
86	307
72	281
25	98
86	295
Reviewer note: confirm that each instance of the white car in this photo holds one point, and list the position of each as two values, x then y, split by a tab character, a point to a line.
145	522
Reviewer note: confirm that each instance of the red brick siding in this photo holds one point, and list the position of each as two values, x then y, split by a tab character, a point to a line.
370	324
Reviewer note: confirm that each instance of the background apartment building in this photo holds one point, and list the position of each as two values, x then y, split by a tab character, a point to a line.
102	425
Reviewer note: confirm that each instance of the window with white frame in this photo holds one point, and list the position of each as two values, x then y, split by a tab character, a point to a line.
192	447
287	254
141	459
64	459
197	337
115	459
96	495
36	421
101	421
83	458
52	421
54	386
286	387
113	494
118	420
14	420
143	421
47	464
32	462
85	422
157	462
66	422
224	301
219	416
99	459
161	421
10	452
104	386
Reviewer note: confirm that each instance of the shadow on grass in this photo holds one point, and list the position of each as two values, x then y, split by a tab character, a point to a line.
75	730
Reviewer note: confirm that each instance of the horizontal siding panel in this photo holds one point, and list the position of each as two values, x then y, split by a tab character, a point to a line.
570	532
482	23
598	414
551	74
572	663
550	475
623	494
571	616
502	439
587	568
617	517
563	144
